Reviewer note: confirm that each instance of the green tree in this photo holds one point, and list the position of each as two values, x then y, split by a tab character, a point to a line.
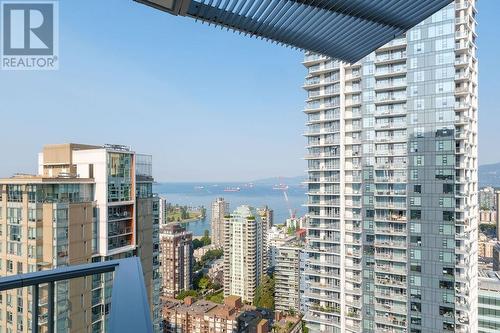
197	244
217	297
304	327
185	293
264	294
212	255
206	238
204	283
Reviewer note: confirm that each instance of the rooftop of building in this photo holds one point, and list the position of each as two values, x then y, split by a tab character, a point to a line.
283	324
23	179
174	229
489	280
199	307
230	310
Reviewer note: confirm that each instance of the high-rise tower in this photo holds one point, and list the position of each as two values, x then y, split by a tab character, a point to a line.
219	210
243	253
392	186
86	204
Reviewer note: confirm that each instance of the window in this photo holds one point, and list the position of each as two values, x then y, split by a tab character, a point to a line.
443	145
448	216
413	146
447	188
19	268
415	293
418	160
418	48
445	229
415	34
415	254
446	257
415	201
419	76
417	188
10	266
446	202
416	240
415	227
418	104
415	214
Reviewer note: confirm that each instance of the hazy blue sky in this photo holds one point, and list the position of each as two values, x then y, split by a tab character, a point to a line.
207	104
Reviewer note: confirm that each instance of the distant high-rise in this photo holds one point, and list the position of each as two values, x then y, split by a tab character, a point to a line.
487	198
392	186
87	204
176	258
219	210
163	210
266	217
489	302
243	253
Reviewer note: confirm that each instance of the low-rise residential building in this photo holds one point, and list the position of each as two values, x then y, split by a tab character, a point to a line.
489	302
201	316
201	251
216	271
191	316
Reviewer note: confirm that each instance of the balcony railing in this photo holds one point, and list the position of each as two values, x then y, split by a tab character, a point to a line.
129	303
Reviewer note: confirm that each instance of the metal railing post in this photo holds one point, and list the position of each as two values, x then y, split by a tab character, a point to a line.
34	309
50	313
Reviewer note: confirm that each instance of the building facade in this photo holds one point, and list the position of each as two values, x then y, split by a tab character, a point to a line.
489	302
219	210
163	205
287	277
266	217
176	259
83	206
487	200
190	316
243	253
392	183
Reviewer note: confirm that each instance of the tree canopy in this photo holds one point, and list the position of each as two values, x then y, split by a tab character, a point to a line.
264	294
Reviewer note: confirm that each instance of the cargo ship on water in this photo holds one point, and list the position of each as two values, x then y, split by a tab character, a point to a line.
232	189
281	187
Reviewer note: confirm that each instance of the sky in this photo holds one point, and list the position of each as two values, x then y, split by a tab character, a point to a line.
208	104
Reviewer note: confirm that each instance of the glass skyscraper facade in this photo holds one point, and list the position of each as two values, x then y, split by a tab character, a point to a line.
392	183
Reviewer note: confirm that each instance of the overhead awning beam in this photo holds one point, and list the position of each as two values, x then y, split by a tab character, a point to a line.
343	29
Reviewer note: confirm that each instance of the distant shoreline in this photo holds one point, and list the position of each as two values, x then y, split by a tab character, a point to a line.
193	219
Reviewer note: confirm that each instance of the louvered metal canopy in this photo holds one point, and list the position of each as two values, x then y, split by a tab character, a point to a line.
343	29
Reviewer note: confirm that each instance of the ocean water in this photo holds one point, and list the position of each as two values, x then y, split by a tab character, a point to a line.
260	195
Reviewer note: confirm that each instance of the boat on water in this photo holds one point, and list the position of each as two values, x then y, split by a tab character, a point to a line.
280	187
199	187
232	189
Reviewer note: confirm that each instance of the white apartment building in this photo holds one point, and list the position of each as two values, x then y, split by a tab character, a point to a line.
392	183
243	253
